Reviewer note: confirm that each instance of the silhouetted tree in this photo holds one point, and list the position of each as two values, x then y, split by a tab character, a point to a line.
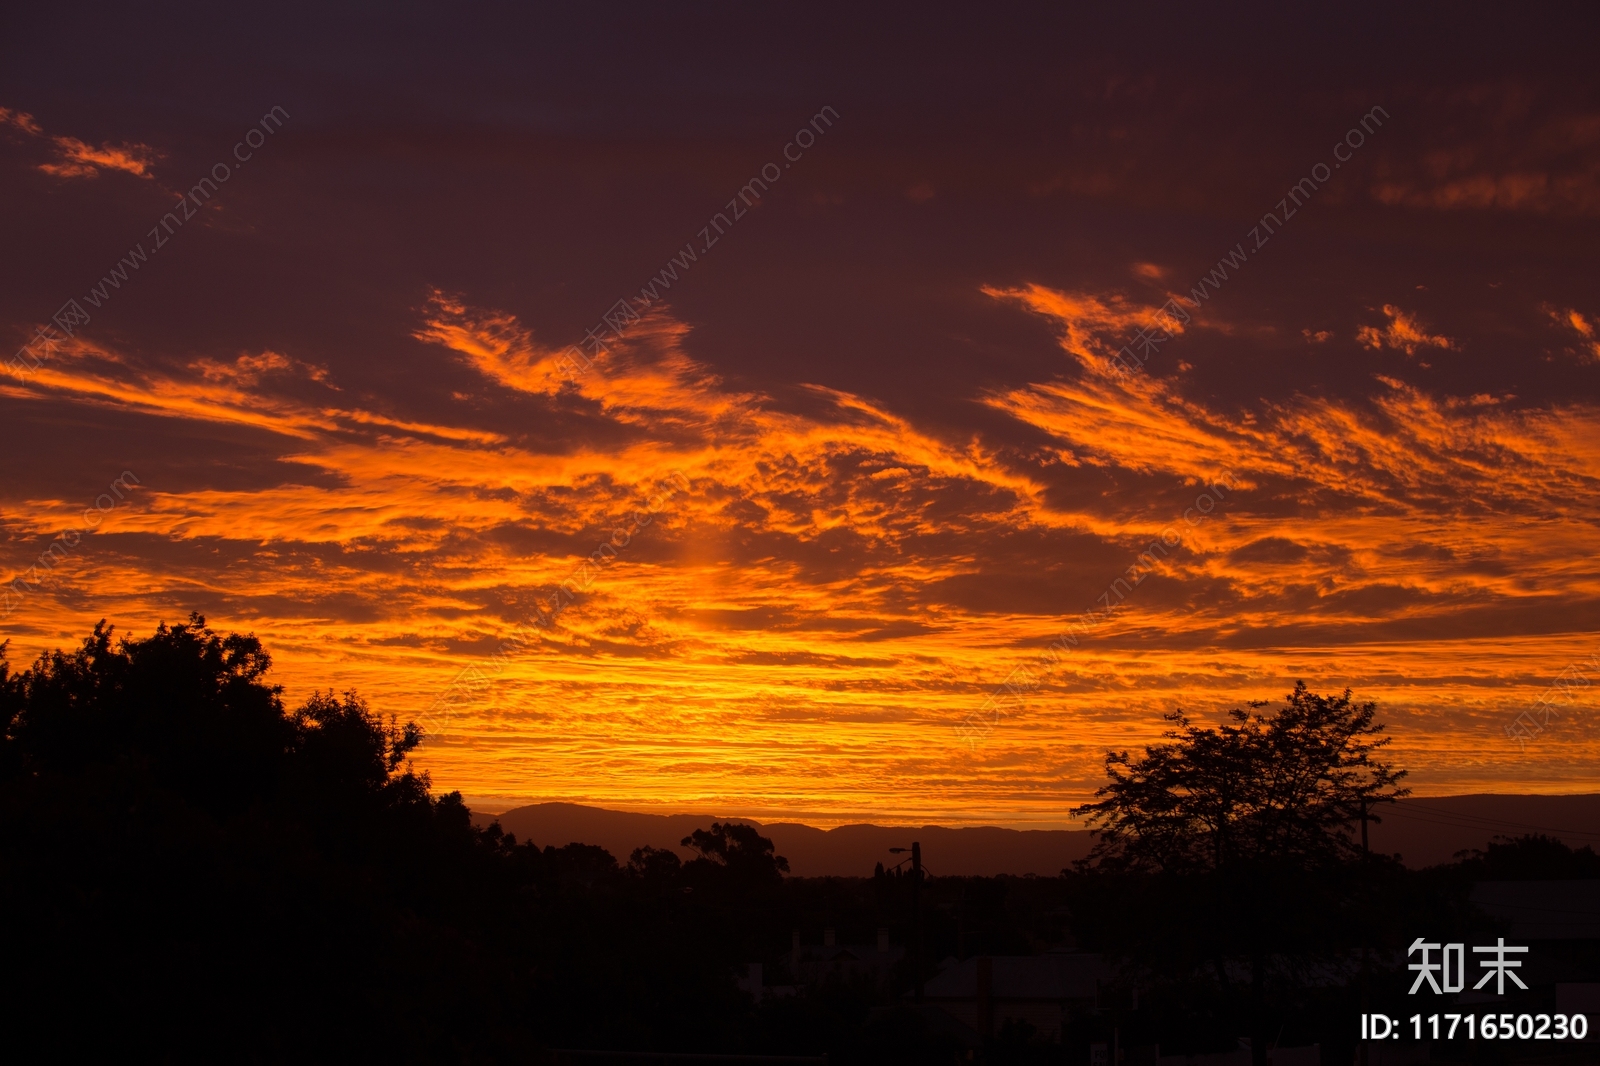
209	874
1256	826
738	848
1293	785
655	865
1531	857
209	870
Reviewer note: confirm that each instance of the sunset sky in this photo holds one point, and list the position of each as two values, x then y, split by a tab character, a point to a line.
873	394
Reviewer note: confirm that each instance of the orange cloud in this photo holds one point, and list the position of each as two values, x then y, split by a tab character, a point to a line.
1095	326
1574	320
1527	160
493	343
1403	332
79	159
801	631
248	369
1538	192
20	120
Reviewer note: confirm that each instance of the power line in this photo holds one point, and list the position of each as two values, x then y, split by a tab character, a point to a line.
1489	827
1409	804
1462	820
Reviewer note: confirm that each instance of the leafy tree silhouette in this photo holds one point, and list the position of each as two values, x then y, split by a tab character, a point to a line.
739	849
222	877
1256	826
1292	785
1530	857
655	865
205	867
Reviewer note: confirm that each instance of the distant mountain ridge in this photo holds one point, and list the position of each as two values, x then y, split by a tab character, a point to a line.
1423	831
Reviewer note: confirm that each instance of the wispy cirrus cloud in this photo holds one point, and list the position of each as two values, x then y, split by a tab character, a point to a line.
1403	332
1519	150
1577	323
415	539
75	158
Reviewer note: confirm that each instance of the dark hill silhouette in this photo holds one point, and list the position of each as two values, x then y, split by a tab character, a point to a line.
849	850
1424	831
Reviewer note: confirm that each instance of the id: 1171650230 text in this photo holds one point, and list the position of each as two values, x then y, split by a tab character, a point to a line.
1474	1027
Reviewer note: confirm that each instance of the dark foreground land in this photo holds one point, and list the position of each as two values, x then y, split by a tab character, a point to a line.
193	872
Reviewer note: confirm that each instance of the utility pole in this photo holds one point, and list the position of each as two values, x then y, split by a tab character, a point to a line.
916	913
1366	870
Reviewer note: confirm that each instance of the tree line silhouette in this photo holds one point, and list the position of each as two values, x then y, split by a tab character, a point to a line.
194	871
